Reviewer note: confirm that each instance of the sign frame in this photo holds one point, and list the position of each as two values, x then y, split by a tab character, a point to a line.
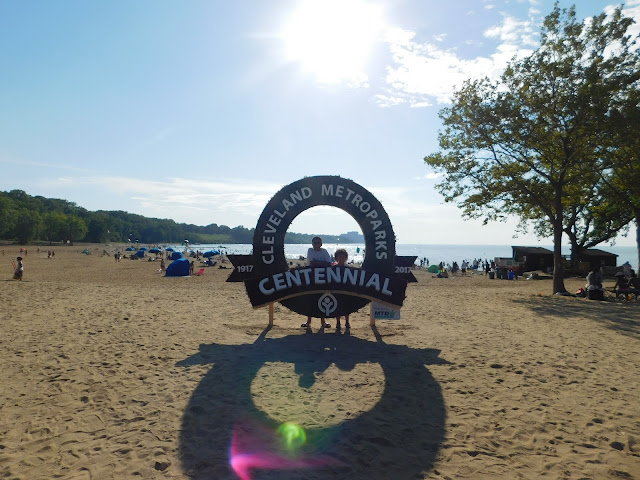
328	190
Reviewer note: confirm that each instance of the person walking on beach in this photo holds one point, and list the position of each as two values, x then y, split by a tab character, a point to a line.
317	257
17	273
341	257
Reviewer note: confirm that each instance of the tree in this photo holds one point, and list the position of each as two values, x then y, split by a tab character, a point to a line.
622	151
99	228
73	229
53	225
8	216
597	220
27	226
529	144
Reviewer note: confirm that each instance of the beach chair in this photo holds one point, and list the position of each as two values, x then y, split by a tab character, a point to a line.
200	272
626	294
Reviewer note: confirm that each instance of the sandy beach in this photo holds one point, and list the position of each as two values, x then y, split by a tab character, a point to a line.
111	370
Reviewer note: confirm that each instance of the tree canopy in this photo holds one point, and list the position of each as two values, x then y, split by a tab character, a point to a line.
530	144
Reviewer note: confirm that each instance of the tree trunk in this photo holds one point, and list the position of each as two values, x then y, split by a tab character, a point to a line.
558	265
576	250
638	238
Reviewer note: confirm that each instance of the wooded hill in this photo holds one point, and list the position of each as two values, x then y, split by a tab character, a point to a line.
26	219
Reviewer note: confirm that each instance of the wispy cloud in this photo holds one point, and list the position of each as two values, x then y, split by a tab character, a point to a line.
238	195
228	201
31	163
424	74
430	176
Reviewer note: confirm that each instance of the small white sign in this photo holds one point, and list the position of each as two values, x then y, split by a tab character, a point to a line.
382	312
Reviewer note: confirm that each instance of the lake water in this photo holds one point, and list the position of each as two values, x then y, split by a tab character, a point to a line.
435	253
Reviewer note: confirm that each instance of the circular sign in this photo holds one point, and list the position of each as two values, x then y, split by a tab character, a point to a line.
335	191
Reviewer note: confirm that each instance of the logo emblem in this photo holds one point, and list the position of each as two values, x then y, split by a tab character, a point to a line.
327	304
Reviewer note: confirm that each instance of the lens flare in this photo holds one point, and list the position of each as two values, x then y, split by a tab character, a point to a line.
254	447
293	435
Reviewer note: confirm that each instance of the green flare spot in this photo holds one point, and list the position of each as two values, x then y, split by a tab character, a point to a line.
293	435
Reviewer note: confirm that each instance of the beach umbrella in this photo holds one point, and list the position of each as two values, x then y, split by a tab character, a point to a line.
154	250
144	248
169	249
129	249
211	253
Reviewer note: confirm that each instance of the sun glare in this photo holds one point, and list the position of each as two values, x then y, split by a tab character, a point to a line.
332	39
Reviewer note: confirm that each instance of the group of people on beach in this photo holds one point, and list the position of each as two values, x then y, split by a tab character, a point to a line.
319	257
627	283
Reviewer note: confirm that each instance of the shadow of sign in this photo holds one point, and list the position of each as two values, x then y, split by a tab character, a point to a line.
225	435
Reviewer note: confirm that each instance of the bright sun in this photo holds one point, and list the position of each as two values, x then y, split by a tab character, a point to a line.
332	39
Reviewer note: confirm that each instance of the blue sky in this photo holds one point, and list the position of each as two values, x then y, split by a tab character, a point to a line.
200	111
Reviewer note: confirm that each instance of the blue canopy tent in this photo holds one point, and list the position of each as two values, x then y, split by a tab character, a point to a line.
176	255
129	249
211	253
178	268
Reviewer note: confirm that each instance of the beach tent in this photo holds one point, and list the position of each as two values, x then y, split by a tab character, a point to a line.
140	253
154	250
433	269
211	253
129	249
176	255
178	268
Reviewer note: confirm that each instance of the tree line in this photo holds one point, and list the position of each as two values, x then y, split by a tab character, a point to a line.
554	141
27	219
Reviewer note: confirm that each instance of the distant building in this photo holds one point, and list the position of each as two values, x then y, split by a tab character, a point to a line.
598	258
533	258
352	237
538	258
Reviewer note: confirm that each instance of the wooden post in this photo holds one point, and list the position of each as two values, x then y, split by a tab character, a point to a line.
271	309
372	321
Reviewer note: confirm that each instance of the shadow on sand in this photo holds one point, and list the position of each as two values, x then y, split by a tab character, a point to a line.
398	438
621	317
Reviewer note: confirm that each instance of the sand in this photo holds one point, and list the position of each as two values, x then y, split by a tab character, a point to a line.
111	370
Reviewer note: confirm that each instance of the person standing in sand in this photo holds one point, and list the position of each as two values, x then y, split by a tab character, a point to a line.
317	257
17	274
341	256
